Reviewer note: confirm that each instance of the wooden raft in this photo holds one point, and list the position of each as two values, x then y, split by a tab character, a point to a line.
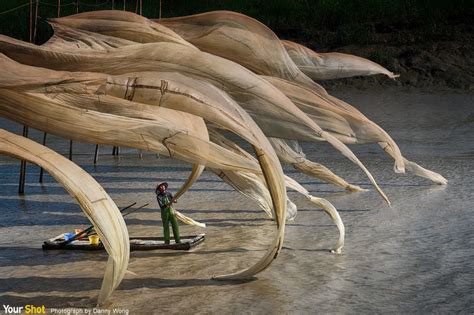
136	243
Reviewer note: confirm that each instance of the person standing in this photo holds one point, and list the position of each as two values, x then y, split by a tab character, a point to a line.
165	198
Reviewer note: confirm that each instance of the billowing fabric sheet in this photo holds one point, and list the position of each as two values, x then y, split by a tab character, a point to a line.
106	119
142	92
122	24
254	187
75	108
266	104
348	124
67	38
242	39
116	78
332	65
255	95
289	151
94	201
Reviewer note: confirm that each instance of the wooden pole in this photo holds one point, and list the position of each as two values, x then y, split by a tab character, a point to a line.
113	2
141	7
96	154
136	6
116	150
70	150
160	10
21	186
36	20
59	8
124	2
31	21
41	169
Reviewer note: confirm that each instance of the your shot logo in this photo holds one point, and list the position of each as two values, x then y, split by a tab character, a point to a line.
27	309
36	309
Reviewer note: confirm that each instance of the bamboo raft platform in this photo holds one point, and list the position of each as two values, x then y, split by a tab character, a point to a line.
136	243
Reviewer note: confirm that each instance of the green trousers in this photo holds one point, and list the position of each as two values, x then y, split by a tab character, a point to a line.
167	216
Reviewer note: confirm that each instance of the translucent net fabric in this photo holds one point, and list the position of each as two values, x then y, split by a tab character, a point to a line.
122	24
349	125
254	187
93	200
332	65
239	38
113	77
142	131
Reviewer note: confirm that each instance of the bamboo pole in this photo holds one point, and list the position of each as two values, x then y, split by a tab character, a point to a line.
41	169
31	21
36	20
70	150
21	186
96	154
116	150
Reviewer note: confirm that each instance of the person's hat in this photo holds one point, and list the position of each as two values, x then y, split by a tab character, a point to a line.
162	184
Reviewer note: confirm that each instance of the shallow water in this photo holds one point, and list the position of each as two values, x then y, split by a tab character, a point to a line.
415	256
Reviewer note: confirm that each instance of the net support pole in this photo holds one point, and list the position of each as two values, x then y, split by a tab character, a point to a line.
21	185
41	169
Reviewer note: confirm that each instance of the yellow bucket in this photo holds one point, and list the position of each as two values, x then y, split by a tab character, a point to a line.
94	239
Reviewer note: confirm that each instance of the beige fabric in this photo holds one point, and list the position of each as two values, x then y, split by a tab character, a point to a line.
155	96
85	96
266	104
417	169
333	65
98	126
67	38
122	24
349	125
107	120
236	80
252	186
328	208
290	152
103	119
242	39
94	201
240	181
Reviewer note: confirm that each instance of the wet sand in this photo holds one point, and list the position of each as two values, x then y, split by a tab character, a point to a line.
415	256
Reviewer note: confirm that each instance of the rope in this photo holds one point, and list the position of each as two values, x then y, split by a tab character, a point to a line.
36	20
31	21
55	5
93	5
76	3
13	9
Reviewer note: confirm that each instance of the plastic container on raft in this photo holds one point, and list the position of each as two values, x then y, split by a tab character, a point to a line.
68	236
94	239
